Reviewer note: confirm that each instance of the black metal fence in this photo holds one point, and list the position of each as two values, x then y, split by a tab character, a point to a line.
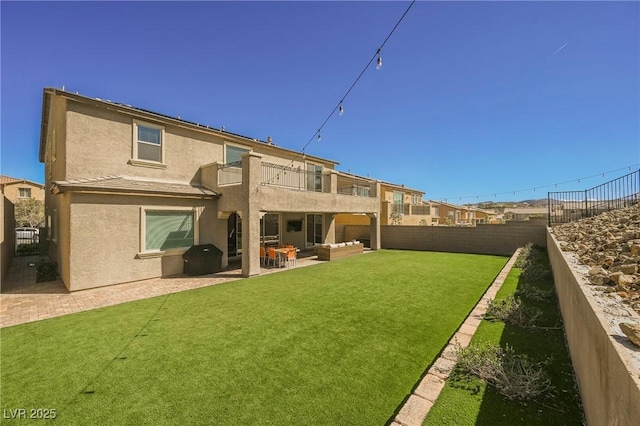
567	206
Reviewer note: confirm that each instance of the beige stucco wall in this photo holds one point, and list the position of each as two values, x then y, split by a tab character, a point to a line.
99	133
607	369
105	239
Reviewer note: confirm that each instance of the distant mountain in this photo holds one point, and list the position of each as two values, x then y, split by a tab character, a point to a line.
500	205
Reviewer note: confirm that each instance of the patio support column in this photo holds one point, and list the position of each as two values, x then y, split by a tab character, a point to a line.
251	179
330	228
333	181
374	231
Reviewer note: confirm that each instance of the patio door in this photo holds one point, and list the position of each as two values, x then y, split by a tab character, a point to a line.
314	230
234	240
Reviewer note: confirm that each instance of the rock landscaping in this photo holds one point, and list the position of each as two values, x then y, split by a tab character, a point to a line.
608	245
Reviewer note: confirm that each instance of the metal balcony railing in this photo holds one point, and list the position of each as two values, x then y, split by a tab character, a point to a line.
295	178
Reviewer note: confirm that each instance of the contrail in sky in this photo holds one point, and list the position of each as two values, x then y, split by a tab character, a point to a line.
559	49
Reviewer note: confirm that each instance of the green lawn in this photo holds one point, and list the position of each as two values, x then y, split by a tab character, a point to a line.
469	401
338	343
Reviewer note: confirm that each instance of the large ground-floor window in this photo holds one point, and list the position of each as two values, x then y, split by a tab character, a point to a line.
168	229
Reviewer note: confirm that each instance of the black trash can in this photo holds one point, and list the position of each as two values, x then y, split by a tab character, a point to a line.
202	259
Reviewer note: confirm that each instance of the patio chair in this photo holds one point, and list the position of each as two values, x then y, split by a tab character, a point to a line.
272	256
263	255
291	257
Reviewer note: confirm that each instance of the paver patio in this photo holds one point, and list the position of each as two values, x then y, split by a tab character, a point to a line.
23	300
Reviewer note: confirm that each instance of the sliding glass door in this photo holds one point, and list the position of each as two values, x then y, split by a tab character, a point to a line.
314	230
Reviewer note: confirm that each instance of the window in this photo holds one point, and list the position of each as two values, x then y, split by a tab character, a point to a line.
398	198
24	192
233	154
314	177
168	229
415	199
148	144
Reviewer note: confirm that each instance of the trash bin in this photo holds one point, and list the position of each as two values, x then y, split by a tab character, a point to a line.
202	259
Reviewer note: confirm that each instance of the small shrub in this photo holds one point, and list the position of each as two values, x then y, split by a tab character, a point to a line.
515	376
534	293
534	263
27	249
511	310
47	270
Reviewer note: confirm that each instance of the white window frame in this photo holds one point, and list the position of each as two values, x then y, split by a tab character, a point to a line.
315	174
135	161
24	189
144	253
235	145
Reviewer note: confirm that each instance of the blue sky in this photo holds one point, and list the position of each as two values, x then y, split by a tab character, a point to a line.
473	99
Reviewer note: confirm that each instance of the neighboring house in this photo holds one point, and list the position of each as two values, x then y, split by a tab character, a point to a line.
398	205
402	205
525	213
454	215
15	189
130	190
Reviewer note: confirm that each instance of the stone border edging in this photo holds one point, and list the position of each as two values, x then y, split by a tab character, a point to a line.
416	408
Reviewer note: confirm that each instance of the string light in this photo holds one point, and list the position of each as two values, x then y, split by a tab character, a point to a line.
319	136
339	108
534	189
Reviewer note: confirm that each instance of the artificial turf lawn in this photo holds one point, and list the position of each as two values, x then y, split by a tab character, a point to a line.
469	401
338	343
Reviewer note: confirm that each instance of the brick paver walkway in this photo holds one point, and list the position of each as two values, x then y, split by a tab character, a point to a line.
23	300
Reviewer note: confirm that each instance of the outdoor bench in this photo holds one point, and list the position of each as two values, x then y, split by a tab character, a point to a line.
339	250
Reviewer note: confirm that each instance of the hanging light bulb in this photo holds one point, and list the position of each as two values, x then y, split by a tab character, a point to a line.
319	136
340	110
379	62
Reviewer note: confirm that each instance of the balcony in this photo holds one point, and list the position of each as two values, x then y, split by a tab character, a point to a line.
297	178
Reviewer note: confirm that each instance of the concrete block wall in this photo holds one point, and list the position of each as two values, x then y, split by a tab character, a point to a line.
606	365
500	240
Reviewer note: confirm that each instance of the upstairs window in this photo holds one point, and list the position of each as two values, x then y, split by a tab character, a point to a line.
24	192
148	143
233	154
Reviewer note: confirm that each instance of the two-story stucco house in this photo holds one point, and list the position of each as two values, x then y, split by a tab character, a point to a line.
128	191
15	189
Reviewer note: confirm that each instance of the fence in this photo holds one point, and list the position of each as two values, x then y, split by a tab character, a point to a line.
568	206
297	178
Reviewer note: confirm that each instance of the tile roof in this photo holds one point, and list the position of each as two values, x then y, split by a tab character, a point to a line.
128	184
6	180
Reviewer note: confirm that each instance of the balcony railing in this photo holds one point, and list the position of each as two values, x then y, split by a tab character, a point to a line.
295	178
351	185
421	210
230	173
298	178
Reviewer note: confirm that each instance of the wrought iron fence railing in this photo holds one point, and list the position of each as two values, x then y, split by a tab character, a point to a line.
568	206
296	178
